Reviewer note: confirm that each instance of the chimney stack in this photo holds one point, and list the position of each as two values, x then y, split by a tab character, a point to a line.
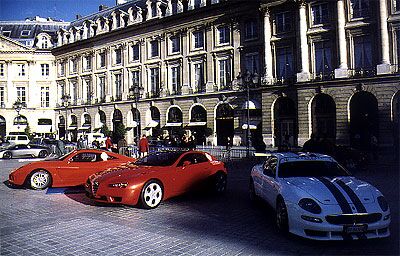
78	16
102	7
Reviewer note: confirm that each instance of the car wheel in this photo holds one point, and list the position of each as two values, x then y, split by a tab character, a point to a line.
40	179
43	154
252	192
7	155
219	183
282	222
151	195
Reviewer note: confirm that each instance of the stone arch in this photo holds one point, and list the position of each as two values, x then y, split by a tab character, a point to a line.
224	123
363	116
323	116
284	116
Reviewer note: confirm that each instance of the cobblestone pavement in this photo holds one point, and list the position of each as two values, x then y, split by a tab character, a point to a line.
38	223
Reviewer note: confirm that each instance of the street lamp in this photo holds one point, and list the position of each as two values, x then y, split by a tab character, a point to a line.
135	92
65	101
246	81
18	105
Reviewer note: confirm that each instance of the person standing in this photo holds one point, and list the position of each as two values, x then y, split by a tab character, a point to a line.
143	146
109	144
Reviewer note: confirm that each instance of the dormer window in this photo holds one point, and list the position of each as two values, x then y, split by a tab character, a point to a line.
153	10
45	43
25	32
6	33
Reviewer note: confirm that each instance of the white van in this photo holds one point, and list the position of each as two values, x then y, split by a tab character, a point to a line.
18	139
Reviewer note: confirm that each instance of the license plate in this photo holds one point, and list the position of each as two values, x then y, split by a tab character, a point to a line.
355	229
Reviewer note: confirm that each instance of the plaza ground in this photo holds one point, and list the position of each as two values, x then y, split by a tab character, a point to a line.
54	223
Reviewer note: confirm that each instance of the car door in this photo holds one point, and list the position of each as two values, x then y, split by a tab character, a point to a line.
191	168
80	166
269	183
20	150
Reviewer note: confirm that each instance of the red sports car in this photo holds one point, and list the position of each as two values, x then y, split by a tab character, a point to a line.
156	177
72	169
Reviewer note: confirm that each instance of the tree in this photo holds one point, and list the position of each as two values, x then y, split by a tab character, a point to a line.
27	131
104	129
119	132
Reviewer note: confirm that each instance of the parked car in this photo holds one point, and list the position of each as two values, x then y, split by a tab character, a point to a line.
22	150
316	198
17	139
157	177
72	169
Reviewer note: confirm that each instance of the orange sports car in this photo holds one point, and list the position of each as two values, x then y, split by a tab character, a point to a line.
157	177
72	169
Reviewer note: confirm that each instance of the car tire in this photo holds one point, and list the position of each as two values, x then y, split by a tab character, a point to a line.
40	179
219	183
152	194
252	192
7	155
282	220
43	154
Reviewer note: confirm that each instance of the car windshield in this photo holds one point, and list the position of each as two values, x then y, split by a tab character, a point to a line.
159	159
64	156
311	169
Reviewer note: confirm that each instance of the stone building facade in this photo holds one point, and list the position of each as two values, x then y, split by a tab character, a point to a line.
278	70
27	75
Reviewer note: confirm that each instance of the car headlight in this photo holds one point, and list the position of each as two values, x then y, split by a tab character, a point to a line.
383	203
118	185
310	205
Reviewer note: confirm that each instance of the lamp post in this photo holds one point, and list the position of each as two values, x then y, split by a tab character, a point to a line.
246	81
65	101
135	92
18	105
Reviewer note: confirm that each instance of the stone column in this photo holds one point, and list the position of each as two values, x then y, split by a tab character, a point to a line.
384	66
342	71
304	74
268	76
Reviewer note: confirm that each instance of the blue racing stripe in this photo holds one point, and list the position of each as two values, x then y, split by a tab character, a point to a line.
344	205
354	198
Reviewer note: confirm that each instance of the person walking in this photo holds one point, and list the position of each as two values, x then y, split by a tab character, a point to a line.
143	146
109	144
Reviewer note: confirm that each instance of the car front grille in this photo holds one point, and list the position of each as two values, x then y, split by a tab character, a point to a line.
363	218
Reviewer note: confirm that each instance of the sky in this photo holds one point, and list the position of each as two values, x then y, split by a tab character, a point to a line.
58	9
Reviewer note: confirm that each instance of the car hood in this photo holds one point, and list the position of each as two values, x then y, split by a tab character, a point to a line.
126	171
318	188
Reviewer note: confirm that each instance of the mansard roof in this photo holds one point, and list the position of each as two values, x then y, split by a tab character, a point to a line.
107	12
31	28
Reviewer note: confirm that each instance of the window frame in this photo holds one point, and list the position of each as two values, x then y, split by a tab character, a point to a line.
226	31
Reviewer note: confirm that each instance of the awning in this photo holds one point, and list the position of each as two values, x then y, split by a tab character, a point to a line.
44	128
251	104
197	123
133	124
84	128
173	124
152	124
253	125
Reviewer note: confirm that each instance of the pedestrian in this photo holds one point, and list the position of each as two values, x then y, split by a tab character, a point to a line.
60	147
109	144
311	145
80	142
85	142
143	146
374	147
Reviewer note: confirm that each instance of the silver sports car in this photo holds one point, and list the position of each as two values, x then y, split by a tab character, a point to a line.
16	151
